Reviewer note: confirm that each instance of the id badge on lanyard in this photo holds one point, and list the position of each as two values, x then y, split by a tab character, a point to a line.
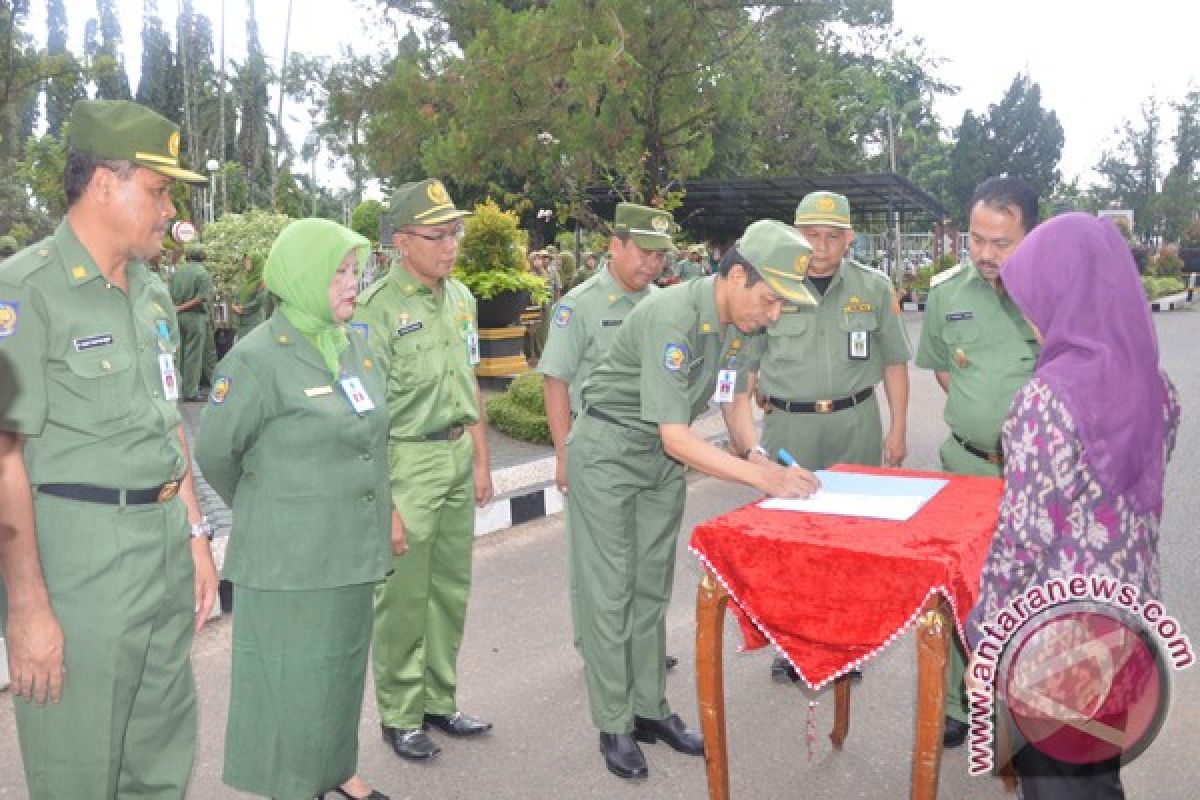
472	338
352	387
168	375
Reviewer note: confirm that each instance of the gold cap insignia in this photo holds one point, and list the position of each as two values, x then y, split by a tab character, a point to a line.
825	204
660	224
801	263
437	193
173	144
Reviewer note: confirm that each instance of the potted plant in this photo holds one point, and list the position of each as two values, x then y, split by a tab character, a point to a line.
1189	246
490	264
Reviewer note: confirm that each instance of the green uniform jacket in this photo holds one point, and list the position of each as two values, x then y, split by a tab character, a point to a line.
189	282
305	475
662	366
583	326
253	311
85	357
420	340
984	342
807	355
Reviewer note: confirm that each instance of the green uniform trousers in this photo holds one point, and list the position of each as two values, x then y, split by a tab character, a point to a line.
421	608
626	505
956	460
193	330
121	583
851	436
295	697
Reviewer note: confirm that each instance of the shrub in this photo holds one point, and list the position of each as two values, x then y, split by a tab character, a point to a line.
365	219
491	259
231	237
1168	265
1190	238
521	412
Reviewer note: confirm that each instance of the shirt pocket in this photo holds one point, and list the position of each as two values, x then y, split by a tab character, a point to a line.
794	324
98	385
960	332
416	360
859	322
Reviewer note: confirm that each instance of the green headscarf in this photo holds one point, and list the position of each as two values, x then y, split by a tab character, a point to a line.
302	263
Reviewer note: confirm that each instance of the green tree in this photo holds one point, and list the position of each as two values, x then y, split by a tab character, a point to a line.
1017	136
365	219
231	237
1130	174
1180	201
161	85
66	85
250	81
103	50
41	170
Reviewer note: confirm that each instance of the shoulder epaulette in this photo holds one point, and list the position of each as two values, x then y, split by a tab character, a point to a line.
945	275
25	262
366	294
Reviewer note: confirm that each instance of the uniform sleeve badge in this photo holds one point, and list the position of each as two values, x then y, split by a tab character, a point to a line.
562	316
8	317
675	356
220	391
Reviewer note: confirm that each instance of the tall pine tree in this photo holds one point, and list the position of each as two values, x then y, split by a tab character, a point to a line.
161	85
102	46
65	85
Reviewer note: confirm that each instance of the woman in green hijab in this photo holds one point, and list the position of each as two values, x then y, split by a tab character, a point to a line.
294	440
251	297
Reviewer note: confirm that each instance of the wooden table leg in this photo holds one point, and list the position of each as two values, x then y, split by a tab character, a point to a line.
934	628
841	711
710	682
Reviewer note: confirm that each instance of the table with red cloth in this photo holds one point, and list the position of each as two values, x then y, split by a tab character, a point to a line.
830	592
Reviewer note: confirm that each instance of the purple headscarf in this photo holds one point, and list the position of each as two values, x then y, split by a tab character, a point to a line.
1075	279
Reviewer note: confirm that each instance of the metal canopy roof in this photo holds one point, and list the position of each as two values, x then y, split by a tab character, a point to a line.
724	207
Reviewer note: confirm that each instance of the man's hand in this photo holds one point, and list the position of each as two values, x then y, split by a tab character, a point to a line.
399	539
483	485
780	481
894	447
206	580
560	469
35	654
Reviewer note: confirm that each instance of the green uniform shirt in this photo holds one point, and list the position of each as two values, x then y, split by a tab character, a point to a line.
189	282
305	474
836	348
690	270
662	366
420	338
984	342
85	359
583	326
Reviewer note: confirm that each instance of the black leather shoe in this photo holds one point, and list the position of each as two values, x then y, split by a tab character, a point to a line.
340	792
671	662
672	731
622	756
458	724
954	734
411	743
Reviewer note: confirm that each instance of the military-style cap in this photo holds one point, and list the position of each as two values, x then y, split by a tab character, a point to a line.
781	255
824	208
118	130
650	228
423	203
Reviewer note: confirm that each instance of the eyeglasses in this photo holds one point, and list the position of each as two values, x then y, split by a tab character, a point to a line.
439	238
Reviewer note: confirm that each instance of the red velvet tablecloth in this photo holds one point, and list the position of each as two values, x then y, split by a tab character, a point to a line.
830	591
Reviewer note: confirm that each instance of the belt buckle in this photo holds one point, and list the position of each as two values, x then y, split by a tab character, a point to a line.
823	406
168	490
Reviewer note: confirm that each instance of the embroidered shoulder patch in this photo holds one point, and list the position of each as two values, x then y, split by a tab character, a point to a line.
675	356
562	316
220	391
8	317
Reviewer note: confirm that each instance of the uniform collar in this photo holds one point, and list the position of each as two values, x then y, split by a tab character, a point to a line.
79	265
614	292
703	292
407	284
284	334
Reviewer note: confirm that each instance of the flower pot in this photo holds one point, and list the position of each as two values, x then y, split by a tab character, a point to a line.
502	310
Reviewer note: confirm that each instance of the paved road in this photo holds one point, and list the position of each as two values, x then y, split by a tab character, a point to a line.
518	669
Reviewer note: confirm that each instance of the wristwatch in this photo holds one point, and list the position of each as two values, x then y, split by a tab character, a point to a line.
202	528
758	448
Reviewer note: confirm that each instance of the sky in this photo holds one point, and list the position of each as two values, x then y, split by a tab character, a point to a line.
1096	62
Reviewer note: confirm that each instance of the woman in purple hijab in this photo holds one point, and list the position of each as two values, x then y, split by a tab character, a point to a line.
1086	443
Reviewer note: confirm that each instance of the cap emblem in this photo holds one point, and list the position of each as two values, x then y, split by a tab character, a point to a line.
173	144
660	224
437	193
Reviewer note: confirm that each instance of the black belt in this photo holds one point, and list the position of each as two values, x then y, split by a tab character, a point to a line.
111	497
448	435
822	406
979	452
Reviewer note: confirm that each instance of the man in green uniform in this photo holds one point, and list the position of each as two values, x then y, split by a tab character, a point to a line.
982	351
421	324
583	326
817	368
104	587
692	265
191	290
625	468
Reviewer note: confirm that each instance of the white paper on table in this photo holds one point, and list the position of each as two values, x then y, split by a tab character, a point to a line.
853	494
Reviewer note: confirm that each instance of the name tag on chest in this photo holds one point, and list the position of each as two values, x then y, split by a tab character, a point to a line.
611	323
90	342
412	327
